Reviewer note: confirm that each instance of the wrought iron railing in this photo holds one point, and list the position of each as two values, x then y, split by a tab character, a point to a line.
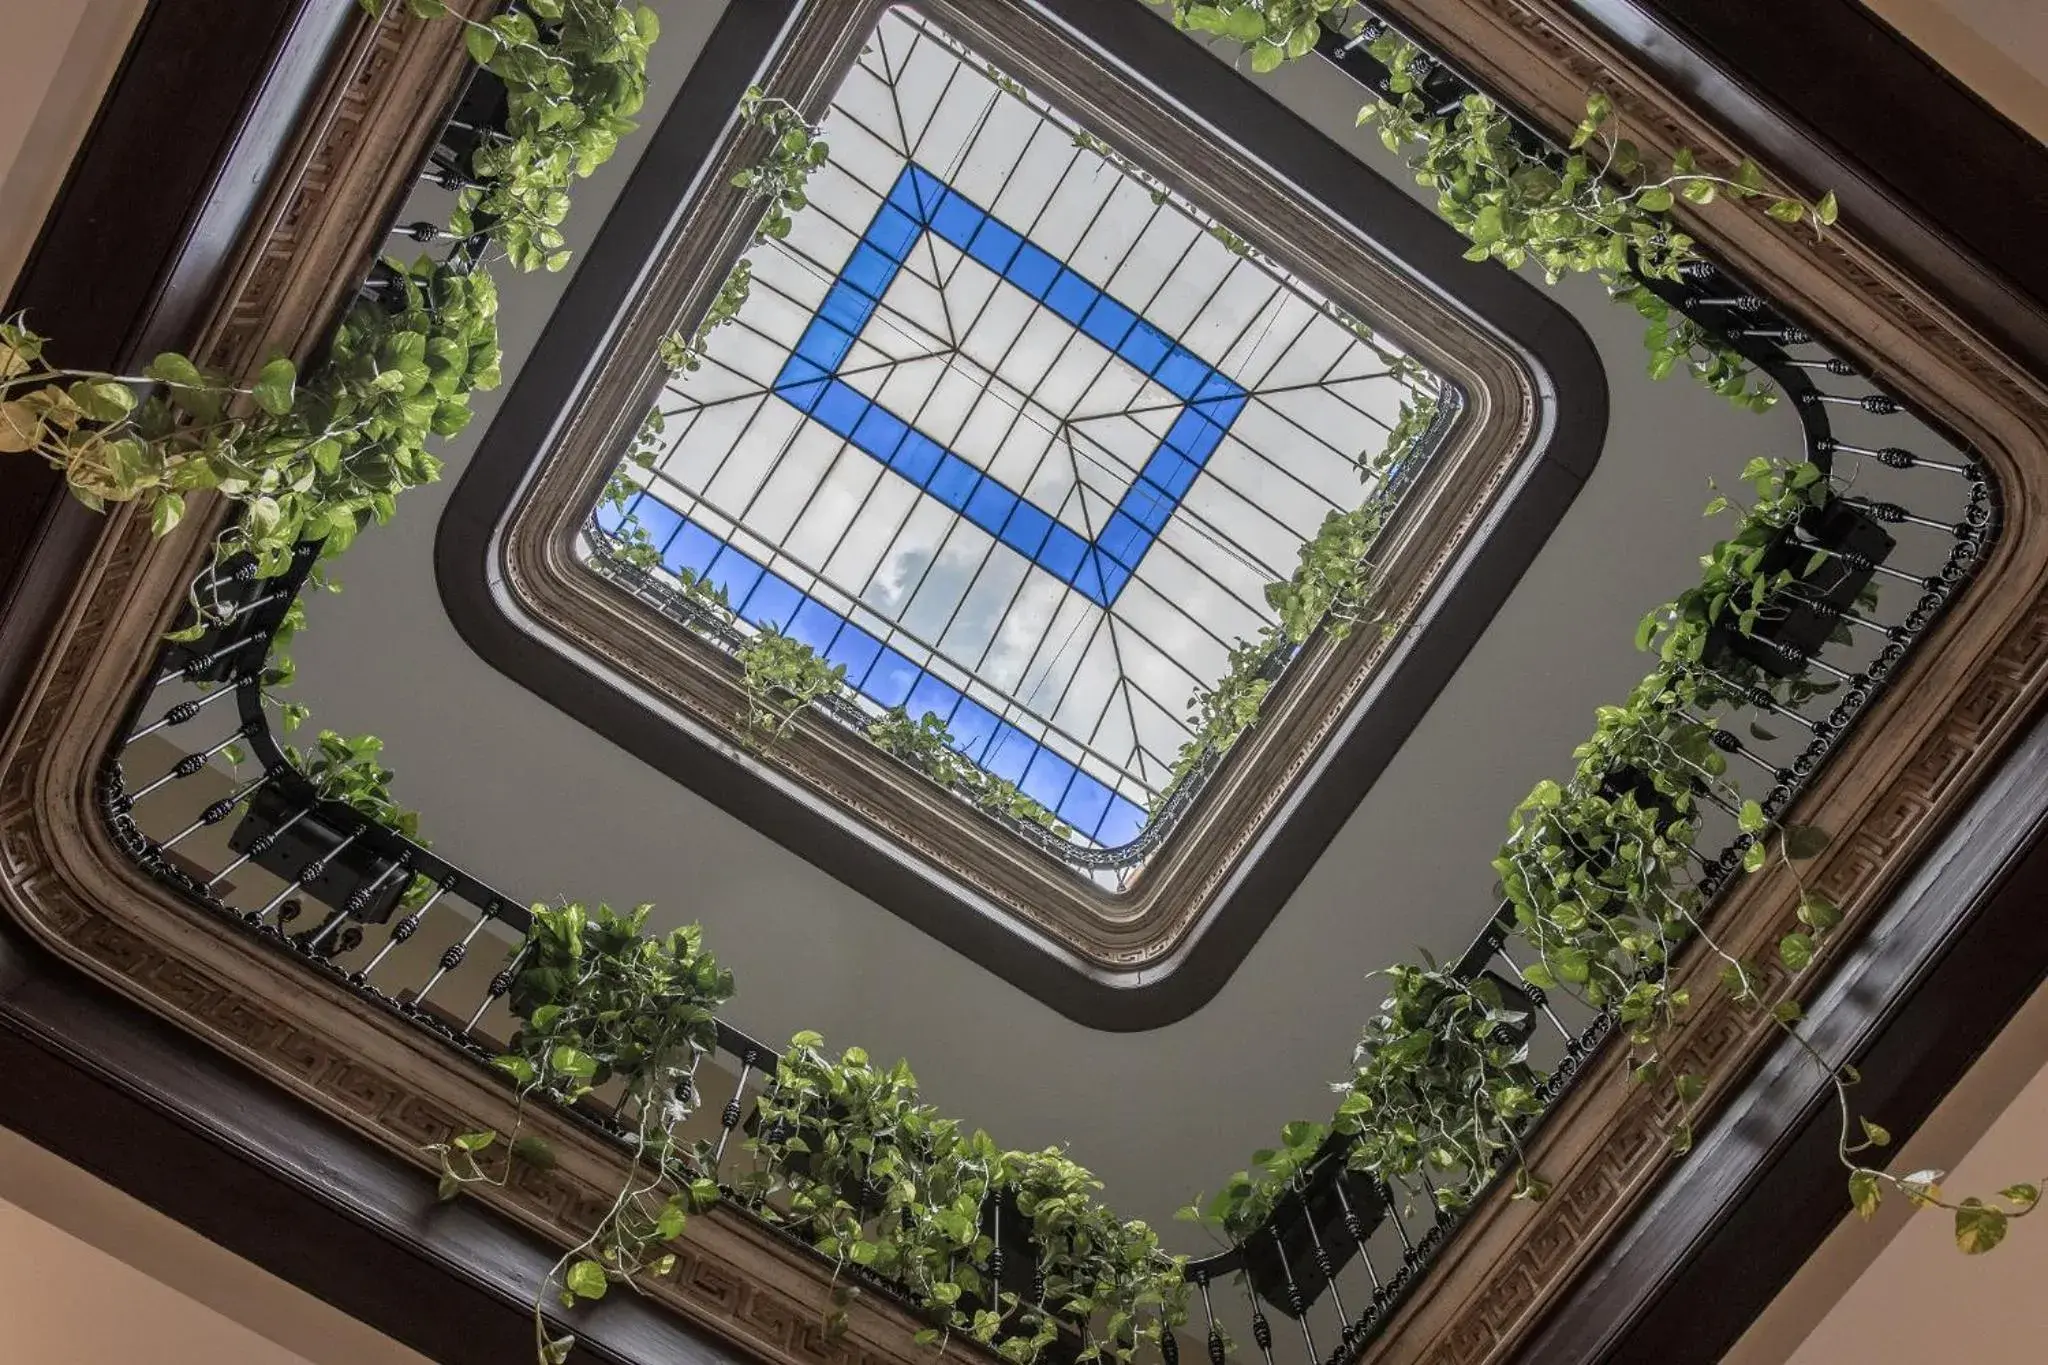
385	917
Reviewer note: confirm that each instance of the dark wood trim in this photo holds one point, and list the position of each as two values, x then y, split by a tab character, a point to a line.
1825	93
1859	85
174	1123
1952	959
150	215
467	553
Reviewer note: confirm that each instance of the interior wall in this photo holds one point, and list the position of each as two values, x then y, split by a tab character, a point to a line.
56	62
1896	1289
90	1276
1998	48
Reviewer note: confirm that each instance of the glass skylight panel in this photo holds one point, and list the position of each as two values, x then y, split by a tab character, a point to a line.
1014	433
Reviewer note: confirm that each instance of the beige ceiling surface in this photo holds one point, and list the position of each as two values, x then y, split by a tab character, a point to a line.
89	1276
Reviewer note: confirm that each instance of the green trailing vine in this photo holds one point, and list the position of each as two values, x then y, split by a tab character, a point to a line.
928	745
1601	207
1597	874
782	678
878	1180
1440	1088
794	152
603	1005
1330	589
574	72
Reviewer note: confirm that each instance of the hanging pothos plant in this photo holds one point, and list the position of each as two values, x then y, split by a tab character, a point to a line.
876	1179
604	1006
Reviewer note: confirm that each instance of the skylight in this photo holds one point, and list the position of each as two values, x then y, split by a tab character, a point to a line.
1015	434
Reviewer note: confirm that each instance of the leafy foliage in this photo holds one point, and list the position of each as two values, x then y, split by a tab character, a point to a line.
794	152
601	1003
1598	206
876	1178
1330	589
351	771
306	461
782	676
1597	873
928	745
574	72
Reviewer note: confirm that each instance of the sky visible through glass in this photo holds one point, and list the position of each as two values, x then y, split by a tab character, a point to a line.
1012	433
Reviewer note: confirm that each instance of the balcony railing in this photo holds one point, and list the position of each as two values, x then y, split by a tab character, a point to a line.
438	945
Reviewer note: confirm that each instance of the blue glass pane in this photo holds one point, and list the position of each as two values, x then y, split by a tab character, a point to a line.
1033	270
856	649
995	245
890	680
1087	801
1045	780
735	573
933	696
973	726
1071	296
656	518
1010	752
990	506
1121	825
693	548
917	459
879	433
771	603
816	625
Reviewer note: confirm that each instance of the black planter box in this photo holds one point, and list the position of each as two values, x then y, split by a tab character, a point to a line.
356	868
1792	630
1286	1246
484	105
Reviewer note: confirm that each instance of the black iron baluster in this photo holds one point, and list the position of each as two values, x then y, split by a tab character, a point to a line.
405	928
1894	457
262	844
1877	404
456	952
1326	1266
1400	1226
1295	1305
307	875
501	984
1217	1347
1262	1330
730	1119
217	812
186	710
190	764
1354	1225
1892	514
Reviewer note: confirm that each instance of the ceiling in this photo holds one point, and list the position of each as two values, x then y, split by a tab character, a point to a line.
544	807
89	1276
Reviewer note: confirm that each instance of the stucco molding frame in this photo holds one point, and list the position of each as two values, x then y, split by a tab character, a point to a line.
1508	470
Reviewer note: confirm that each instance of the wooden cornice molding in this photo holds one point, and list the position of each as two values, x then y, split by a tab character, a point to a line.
1918	753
